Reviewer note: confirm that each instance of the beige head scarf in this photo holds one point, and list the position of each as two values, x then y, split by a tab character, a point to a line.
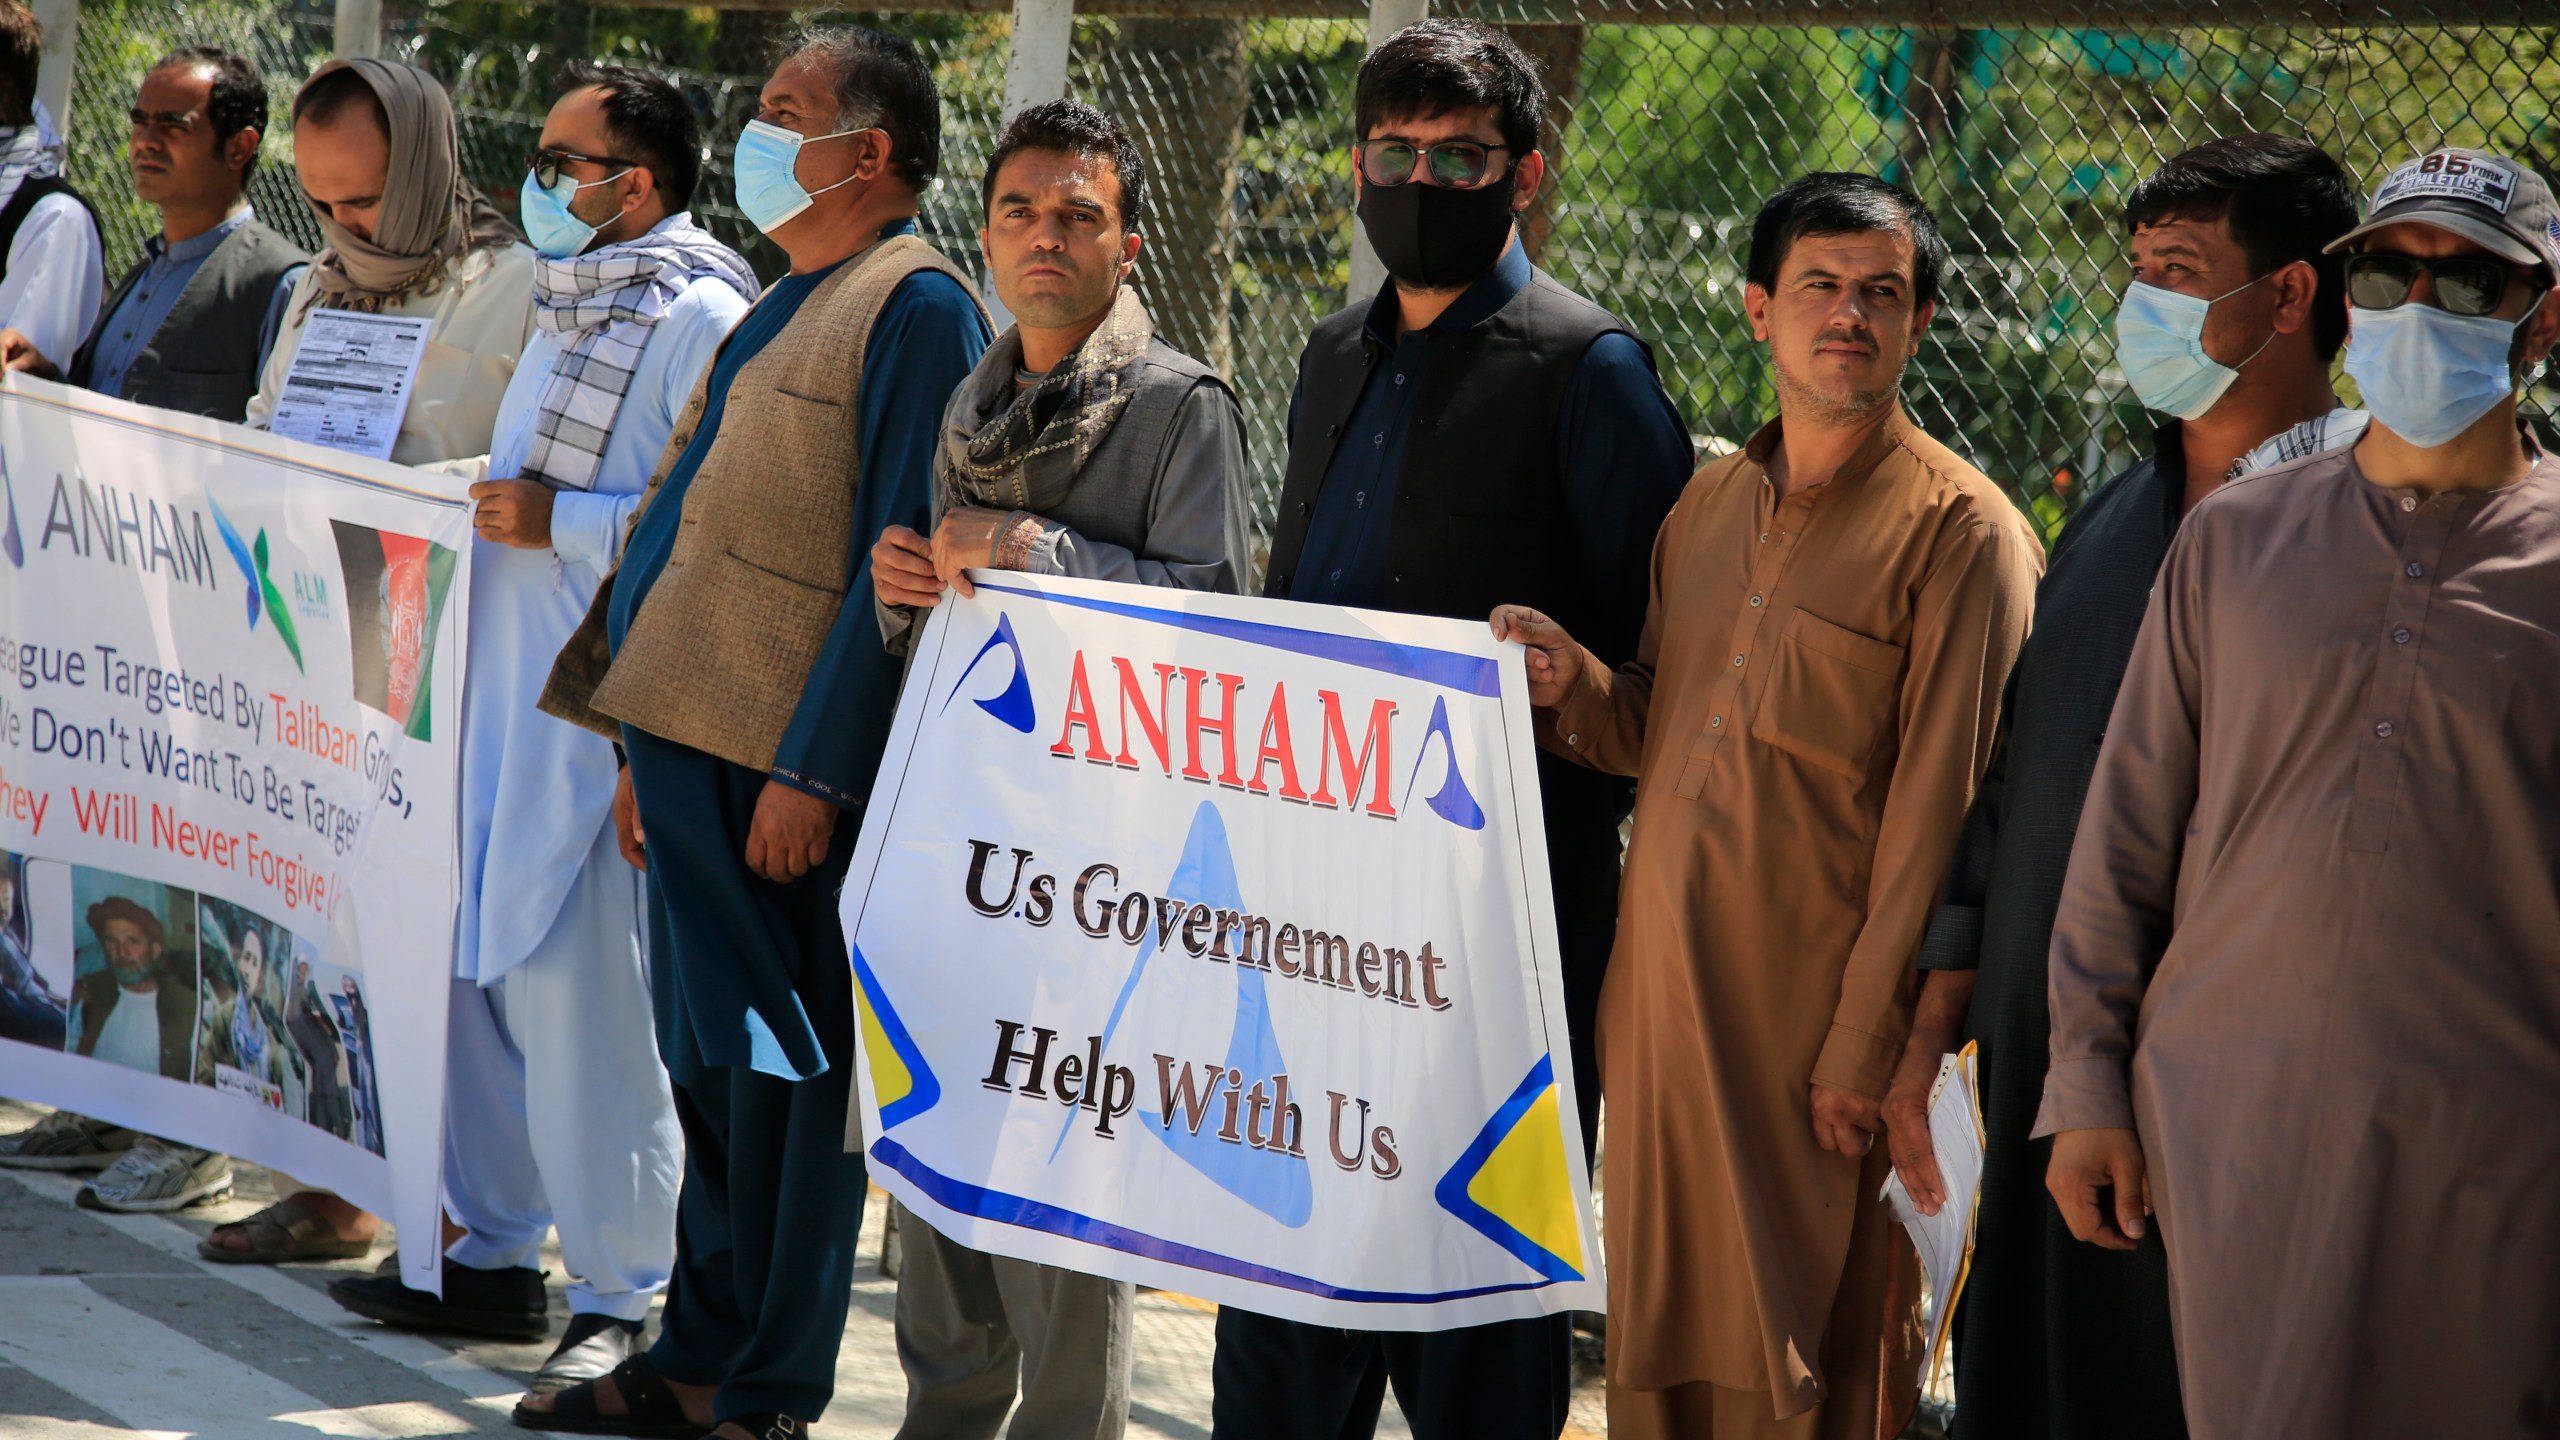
430	215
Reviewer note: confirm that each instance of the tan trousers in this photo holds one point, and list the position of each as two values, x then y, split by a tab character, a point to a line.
1871	1353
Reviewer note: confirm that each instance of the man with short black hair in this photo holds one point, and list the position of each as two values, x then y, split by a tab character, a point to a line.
190	325
2305	977
1083	445
736	654
2229	328
1835	606
556	1108
52	264
1473	433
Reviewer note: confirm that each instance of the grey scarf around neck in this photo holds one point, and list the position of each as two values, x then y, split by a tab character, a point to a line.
1015	460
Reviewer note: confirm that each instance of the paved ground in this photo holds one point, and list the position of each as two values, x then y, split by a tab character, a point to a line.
111	1327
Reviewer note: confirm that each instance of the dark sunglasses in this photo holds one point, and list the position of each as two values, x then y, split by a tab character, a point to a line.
1452	164
545	164
2464	284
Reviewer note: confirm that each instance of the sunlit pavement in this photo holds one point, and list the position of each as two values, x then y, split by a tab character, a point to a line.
111	1326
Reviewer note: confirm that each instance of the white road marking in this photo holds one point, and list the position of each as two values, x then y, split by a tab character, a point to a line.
293	1297
157	1380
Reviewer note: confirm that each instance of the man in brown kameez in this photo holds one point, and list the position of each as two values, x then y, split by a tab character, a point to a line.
2305	977
1834	609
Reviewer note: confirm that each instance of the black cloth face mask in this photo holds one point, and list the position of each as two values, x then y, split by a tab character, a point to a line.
1435	238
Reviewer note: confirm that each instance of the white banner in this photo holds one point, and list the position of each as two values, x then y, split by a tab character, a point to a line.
230	702
1207	942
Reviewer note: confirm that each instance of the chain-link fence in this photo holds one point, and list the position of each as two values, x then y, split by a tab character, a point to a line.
1669	127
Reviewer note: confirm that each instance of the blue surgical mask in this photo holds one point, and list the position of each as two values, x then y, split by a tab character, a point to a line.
548	223
2427	374
2160	349
767	168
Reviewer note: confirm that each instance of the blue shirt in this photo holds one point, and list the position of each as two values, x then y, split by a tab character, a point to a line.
1621	451
928	338
125	331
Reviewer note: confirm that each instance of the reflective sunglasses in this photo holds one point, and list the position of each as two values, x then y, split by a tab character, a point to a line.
545	164
2464	284
1452	164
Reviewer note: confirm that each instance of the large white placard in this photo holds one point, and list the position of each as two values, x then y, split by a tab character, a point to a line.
1207	942
230	702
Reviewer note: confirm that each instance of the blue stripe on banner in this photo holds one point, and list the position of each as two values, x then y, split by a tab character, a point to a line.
964	1198
1473	674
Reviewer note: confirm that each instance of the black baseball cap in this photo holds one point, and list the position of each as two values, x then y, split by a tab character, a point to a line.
2485	198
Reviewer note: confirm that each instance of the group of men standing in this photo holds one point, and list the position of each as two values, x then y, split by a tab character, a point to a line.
2228	830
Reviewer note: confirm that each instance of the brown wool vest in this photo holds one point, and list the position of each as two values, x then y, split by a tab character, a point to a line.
721	647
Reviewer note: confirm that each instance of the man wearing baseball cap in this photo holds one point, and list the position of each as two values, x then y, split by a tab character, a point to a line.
2316	878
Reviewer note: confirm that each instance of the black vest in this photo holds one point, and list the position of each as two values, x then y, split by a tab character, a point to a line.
14	214
204	358
1480	517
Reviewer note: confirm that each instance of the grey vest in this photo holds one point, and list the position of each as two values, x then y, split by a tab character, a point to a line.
1115	491
204	358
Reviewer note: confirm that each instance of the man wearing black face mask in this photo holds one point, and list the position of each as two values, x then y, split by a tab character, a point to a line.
1474	433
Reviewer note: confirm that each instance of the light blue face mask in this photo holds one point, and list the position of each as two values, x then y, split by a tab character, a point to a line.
2427	374
767	167
549	225
2160	349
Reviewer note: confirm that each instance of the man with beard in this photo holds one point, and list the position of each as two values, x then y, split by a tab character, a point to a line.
137	1010
1082	445
51	260
1474	433
1835	607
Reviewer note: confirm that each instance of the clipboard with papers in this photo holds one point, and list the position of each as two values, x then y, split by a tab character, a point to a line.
1945	1240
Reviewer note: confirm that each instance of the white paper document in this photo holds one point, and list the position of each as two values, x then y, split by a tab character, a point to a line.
1945	1240
349	383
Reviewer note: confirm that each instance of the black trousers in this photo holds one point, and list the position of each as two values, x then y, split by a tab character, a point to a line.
1281	1380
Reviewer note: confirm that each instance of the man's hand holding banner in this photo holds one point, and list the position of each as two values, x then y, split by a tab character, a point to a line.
1207	942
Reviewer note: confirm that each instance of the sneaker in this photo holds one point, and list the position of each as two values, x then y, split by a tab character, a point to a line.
65	1141
499	1304
594	1345
156	1175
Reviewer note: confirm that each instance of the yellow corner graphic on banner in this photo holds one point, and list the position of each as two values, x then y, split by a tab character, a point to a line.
904	1085
1514	1184
1521	1183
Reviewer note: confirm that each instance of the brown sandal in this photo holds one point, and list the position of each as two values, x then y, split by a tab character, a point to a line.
285	1231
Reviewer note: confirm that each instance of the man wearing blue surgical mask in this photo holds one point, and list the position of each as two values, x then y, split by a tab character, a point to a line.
2229	328
556	1108
736	656
2306	966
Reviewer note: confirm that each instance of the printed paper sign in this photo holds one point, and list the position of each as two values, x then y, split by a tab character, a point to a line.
230	676
348	384
1207	942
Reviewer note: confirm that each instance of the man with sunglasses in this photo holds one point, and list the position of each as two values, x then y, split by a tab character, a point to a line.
2228	329
556	1108
1474	433
2306	969
190	325
736	654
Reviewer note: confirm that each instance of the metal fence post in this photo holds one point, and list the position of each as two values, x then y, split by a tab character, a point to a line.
359	28
60	20
1386	17
1036	69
